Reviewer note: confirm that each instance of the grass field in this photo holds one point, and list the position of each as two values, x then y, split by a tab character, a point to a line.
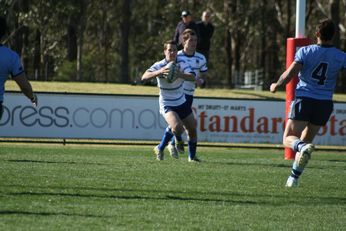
111	88
89	187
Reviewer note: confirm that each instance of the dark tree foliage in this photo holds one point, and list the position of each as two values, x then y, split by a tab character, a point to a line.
116	41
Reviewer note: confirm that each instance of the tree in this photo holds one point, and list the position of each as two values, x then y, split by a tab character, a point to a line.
82	26
124	38
89	40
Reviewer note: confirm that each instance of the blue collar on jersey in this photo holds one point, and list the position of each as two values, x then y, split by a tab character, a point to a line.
189	55
170	61
325	46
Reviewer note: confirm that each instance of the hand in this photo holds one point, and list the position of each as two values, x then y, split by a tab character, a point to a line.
273	87
200	81
34	100
170	74
164	72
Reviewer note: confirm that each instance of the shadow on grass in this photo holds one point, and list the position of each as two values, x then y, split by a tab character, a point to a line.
135	197
252	164
88	163
54	162
288	165
341	161
14	212
171	195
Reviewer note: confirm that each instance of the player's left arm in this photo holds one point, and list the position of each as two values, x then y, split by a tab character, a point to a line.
186	76
292	71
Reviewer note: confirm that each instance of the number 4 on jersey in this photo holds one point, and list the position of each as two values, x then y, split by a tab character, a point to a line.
320	73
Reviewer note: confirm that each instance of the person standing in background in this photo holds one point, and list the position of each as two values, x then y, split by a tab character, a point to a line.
206	31
185	23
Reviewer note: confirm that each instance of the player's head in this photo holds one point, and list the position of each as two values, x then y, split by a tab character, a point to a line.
189	40
170	50
325	29
3	26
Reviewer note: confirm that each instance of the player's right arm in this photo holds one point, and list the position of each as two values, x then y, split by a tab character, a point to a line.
25	87
18	75
292	71
149	74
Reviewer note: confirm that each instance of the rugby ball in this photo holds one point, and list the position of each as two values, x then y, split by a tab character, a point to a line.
171	76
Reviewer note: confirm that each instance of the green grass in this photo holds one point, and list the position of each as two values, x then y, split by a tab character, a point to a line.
55	187
111	88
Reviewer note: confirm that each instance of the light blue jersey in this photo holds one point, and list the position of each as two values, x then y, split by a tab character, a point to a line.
10	64
198	64
171	94
321	65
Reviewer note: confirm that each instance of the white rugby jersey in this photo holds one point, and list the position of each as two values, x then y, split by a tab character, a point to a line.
171	94
198	64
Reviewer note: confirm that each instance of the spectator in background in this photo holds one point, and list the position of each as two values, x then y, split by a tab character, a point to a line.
206	31
10	64
185	23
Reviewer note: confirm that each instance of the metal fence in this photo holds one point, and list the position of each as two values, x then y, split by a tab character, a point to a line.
250	80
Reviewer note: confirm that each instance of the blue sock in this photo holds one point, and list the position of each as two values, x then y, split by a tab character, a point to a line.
173	141
296	171
297	145
179	138
192	144
167	136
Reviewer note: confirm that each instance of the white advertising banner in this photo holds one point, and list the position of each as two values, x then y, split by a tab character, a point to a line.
90	116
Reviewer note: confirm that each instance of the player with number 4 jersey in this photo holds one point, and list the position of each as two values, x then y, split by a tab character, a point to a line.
317	67
11	65
320	68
